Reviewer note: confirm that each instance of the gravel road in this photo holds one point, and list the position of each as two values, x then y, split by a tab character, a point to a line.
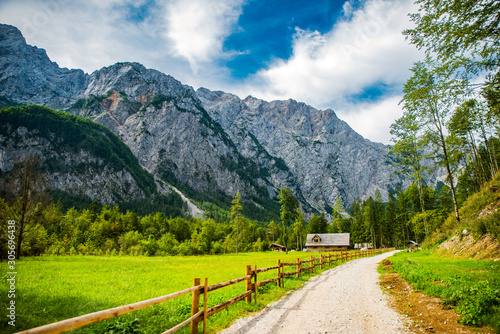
345	299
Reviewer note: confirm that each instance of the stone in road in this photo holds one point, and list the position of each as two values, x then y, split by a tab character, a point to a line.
345	299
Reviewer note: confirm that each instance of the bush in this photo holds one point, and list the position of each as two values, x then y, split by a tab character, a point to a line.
128	241
168	245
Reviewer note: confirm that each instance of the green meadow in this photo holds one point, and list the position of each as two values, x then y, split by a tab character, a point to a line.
55	288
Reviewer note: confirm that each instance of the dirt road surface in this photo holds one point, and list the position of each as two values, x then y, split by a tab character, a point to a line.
345	299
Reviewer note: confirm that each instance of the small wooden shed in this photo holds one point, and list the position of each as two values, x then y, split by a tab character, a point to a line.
328	242
363	245
412	245
277	247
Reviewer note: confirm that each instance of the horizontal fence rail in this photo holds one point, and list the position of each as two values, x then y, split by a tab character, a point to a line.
199	289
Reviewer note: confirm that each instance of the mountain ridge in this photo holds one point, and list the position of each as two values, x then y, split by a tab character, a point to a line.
203	140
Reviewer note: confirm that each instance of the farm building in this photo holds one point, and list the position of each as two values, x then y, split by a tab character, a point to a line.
277	247
412	245
328	242
363	245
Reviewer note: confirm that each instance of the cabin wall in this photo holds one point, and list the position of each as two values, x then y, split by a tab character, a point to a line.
327	248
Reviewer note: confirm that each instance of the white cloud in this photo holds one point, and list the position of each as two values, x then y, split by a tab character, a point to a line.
198	28
84	34
181	38
347	9
371	120
356	53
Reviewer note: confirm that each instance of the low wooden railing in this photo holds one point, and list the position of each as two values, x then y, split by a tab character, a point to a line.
199	289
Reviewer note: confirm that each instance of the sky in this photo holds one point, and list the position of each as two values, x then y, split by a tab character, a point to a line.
349	56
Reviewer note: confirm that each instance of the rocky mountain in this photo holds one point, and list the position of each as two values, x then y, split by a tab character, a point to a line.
79	156
327	158
208	144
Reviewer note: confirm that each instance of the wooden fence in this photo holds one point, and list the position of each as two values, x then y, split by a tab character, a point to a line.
201	315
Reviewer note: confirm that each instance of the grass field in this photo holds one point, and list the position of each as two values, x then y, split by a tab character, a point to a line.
50	289
471	287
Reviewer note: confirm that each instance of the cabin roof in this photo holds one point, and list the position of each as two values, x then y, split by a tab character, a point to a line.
276	245
328	239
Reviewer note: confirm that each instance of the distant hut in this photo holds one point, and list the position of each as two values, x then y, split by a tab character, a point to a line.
412	245
363	245
328	242
277	247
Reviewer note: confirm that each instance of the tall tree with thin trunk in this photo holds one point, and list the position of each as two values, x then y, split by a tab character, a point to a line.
289	206
430	94
28	184
409	149
298	227
236	209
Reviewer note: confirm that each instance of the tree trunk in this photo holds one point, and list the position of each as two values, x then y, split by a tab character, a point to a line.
450	176
478	159
422	201
237	232
20	237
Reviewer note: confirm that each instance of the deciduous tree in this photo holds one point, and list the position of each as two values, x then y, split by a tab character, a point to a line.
27	185
289	206
236	215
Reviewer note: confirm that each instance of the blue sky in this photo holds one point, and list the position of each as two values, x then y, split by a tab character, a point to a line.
266	30
349	56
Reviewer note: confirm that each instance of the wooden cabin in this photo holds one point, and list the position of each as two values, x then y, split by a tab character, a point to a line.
363	245
277	247
328	242
412	245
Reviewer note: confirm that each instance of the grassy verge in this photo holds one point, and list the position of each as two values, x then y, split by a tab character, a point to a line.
50	289
471	287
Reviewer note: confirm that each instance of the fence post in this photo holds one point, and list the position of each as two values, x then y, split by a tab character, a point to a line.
321	261
255	282
312	264
205	297
248	282
282	276
298	268
279	277
195	305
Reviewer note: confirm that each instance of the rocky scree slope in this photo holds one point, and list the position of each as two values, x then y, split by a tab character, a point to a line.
209	142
